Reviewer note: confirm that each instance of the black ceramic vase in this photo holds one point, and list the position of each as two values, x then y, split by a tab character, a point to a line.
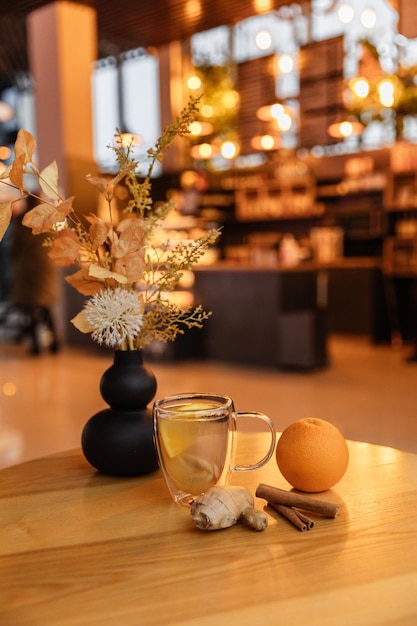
118	441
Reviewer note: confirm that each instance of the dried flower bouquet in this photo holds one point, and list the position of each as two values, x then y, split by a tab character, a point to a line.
125	275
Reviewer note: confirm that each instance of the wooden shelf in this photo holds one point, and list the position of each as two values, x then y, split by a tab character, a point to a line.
401	192
394	208
276	199
400	256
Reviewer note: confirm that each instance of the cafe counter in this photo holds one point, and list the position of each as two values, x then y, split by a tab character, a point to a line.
281	315
273	316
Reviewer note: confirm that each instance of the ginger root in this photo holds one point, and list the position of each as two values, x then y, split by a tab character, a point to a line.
222	507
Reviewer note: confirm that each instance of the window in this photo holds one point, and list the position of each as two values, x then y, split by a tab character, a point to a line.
139	82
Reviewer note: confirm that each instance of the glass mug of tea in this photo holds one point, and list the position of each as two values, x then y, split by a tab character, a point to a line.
195	437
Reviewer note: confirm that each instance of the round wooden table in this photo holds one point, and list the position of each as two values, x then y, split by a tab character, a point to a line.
79	548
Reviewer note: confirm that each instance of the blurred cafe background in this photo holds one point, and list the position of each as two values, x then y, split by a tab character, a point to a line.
304	152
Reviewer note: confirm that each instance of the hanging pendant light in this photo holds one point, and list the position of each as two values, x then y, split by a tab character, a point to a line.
200	129
266	142
280	114
344	128
204	151
229	149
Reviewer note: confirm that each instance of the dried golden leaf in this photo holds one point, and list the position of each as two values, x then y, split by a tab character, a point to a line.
81	323
123	172
120	248
102	184
130	229
101	273
131	265
5	217
42	218
65	208
25	146
65	248
48	180
99	232
83	283
16	172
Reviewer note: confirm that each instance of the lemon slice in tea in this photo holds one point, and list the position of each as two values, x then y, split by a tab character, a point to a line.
180	432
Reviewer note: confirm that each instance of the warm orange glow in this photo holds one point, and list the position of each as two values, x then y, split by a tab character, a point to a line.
203	151
386	93
6	112
199	129
193	9
285	64
345	13
265	142
265	113
9	389
188	179
345	129
284	122
263	6
360	87
278	112
5	153
194	82
130	139
229	149
207	110
368	18
263	39
187	279
230	99
183	299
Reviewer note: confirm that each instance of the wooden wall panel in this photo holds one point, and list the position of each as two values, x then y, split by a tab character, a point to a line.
313	129
256	86
321	94
321	90
321	59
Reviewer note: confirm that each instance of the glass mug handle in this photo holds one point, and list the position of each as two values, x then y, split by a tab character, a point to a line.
268	455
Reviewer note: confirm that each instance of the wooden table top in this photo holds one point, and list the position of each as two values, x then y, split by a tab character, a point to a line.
78	548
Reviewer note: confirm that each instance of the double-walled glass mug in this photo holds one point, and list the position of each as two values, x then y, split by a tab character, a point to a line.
195	436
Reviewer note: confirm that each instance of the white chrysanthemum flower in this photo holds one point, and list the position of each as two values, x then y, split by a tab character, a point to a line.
115	315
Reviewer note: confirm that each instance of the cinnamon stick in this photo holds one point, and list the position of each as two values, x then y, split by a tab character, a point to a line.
309	522
289	498
296	518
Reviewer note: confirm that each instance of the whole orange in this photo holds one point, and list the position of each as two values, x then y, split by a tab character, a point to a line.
312	454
